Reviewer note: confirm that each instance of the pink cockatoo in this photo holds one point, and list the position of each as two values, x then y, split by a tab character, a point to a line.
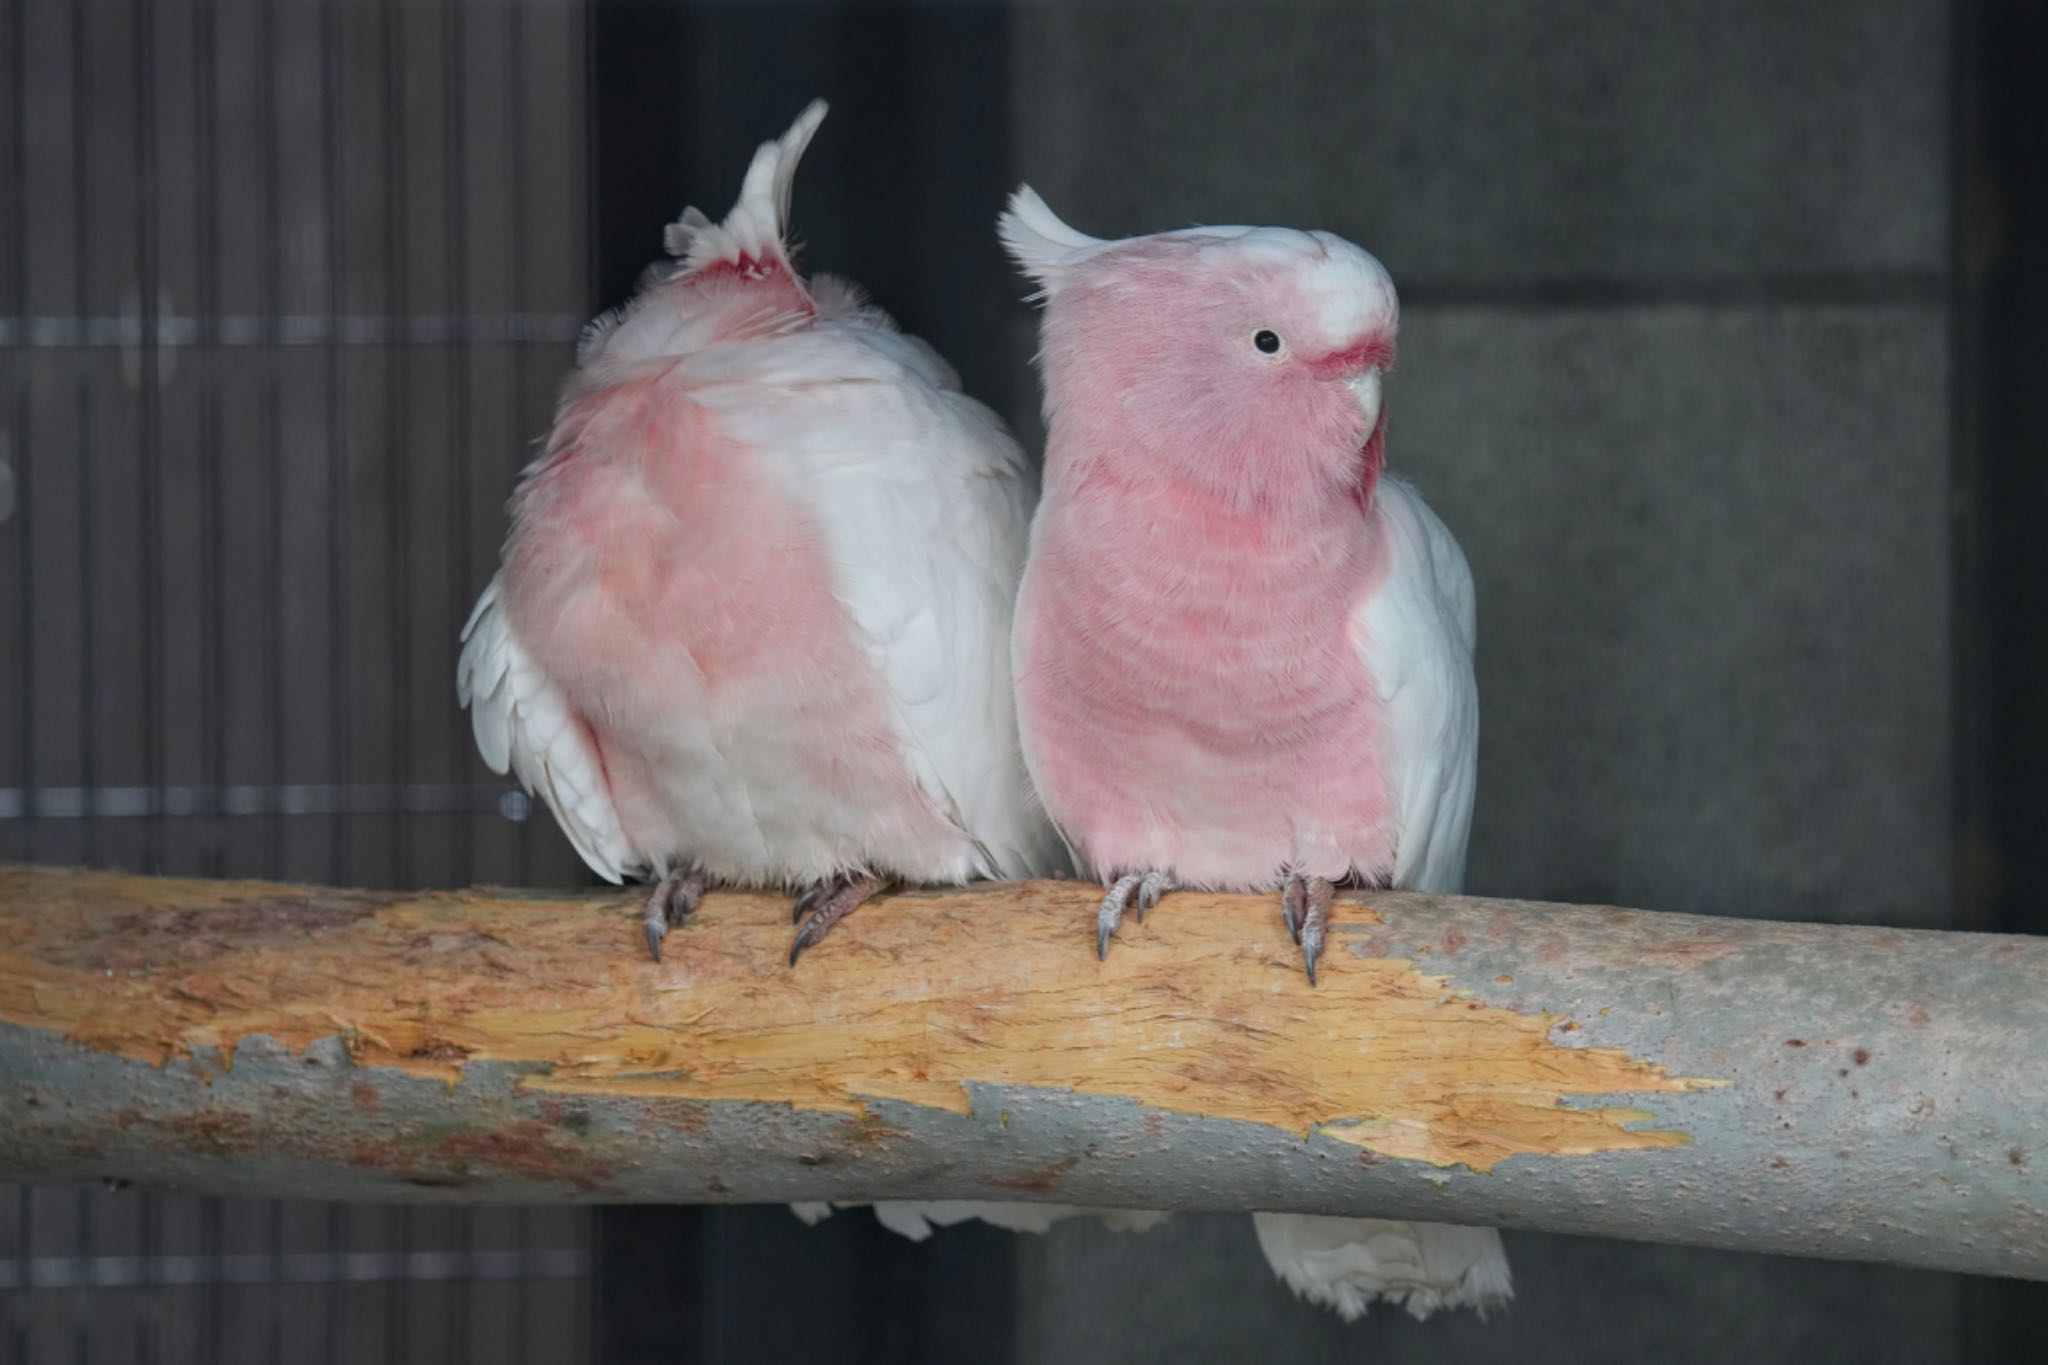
1243	652
752	621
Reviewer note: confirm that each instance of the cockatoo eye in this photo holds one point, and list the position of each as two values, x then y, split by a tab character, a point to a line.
1267	340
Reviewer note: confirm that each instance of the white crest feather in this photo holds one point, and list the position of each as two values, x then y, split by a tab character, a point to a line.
1043	246
757	226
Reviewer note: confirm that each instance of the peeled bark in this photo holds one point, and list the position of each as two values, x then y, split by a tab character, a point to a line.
1873	1094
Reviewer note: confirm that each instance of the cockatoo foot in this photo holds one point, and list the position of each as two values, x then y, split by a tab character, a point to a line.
1305	905
1148	887
672	901
826	904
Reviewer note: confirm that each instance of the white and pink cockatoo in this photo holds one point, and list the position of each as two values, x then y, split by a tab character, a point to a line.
752	622
1243	651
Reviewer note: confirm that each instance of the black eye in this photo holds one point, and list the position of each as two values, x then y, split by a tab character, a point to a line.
1268	342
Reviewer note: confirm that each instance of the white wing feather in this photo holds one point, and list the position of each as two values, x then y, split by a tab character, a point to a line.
523	724
924	500
1346	1263
918	1220
1419	633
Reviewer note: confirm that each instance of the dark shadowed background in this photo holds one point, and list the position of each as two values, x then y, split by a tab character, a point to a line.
1724	353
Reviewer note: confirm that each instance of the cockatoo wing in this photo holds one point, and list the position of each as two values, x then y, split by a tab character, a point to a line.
924	502
1419	632
524	725
918	1220
1346	1263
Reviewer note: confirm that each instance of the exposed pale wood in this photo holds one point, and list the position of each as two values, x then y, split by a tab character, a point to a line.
490	1045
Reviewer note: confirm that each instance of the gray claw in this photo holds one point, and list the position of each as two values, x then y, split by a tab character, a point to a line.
1305	905
1149	887
826	904
1111	913
670	903
1155	885
804	939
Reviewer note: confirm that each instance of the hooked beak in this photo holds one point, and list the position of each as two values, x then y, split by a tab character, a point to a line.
1365	388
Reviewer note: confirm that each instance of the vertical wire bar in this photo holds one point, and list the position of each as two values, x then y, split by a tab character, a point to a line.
398	1340
520	305
272	454
149	484
340	541
336	1338
458	1313
592	270
210	1246
455	72
24	671
25	1208
334	1299
212	520
276	1288
88	679
399	611
522	1330
274	461
455	122
152	1297
81	1327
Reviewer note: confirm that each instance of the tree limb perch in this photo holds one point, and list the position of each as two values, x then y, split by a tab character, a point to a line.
1872	1094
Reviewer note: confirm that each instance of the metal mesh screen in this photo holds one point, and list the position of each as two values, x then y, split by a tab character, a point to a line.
285	288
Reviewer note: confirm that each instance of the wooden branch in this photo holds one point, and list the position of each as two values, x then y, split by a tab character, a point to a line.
1864	1093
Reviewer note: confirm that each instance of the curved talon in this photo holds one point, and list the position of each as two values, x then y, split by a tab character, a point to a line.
1305	905
1149	887
1155	885
670	903
804	939
1111	913
826	904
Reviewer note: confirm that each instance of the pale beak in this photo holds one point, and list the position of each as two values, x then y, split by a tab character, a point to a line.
1366	389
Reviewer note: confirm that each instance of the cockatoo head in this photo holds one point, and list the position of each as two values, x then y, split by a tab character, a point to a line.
1246	360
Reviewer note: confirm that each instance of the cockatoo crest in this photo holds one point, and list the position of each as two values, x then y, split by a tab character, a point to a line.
1044	247
750	247
751	240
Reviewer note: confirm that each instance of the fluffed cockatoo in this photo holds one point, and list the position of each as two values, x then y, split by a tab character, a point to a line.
752	621
1243	652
